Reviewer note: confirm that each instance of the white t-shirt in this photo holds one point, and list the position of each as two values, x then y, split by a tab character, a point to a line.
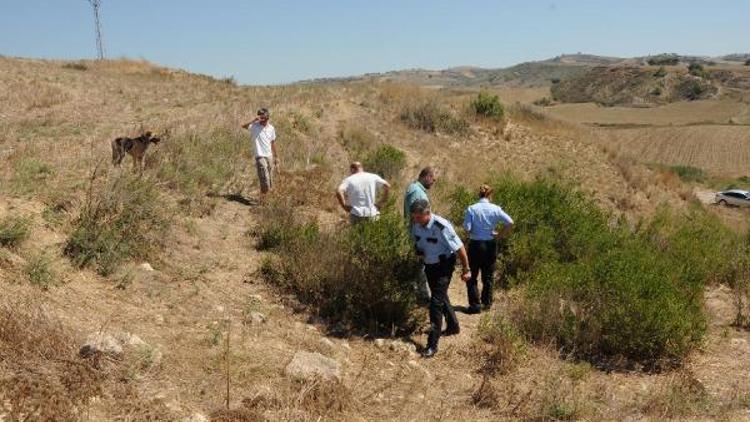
262	137
360	190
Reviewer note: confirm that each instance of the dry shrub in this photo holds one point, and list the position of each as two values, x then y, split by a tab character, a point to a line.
41	376
306	188
194	164
357	140
13	231
501	345
313	399
485	396
741	286
36	94
530	394
123	217
633	174
430	115
681	395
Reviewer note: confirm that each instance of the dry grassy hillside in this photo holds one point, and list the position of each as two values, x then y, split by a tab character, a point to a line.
201	334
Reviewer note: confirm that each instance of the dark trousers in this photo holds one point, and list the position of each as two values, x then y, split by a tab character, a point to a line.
482	257
439	278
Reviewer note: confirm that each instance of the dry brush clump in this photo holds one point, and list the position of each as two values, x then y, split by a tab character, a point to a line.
41	377
313	399
500	345
423	110
432	116
122	217
13	231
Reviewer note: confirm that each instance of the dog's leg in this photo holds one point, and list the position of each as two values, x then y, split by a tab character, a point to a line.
117	152
135	162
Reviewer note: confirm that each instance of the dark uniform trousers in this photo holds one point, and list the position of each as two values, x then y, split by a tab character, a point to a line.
439	278
482	257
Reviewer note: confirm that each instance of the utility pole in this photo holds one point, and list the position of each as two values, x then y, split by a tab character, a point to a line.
96	4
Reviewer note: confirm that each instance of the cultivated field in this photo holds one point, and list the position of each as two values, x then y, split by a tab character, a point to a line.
719	149
674	114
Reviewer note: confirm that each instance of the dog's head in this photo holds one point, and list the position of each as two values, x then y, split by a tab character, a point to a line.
148	138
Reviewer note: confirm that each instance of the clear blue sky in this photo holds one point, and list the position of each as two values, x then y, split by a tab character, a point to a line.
278	41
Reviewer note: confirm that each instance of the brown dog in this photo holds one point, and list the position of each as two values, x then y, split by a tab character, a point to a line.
136	147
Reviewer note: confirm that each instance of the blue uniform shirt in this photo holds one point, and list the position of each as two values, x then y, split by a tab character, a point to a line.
413	192
481	219
436	238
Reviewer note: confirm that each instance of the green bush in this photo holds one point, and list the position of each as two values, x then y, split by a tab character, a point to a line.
689	173
387	161
486	105
13	231
123	218
39	272
693	89
747	62
664	60
360	277
661	72
600	290
697	69
429	116
281	227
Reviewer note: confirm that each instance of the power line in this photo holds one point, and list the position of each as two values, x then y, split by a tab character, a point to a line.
95	5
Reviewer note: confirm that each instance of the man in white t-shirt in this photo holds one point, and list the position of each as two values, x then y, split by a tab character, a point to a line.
263	136
357	193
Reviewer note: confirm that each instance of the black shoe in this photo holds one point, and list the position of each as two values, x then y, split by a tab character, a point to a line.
472	310
487	306
451	331
430	352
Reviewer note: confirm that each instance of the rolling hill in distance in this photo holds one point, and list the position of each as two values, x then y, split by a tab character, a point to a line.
527	74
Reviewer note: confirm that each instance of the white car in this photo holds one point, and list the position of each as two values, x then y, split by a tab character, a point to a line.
736	197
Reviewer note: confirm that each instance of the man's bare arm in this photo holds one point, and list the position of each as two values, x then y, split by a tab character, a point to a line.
342	200
247	125
384	196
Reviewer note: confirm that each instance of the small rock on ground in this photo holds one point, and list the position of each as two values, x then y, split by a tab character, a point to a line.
196	417
256	318
306	366
146	267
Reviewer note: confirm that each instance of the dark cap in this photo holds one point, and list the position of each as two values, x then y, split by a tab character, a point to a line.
264	112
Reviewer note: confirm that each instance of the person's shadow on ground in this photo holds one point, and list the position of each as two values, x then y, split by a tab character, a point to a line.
236	197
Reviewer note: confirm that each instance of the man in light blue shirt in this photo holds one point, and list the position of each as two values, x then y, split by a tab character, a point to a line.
418	190
438	244
480	222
